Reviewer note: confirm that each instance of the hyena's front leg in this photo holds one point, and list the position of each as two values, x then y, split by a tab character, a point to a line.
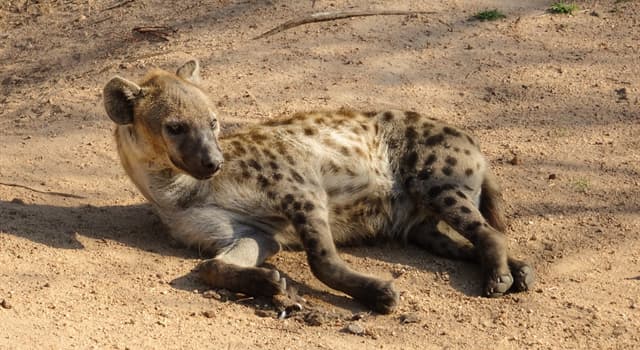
311	223
235	268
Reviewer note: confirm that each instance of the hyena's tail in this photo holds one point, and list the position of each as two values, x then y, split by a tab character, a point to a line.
491	203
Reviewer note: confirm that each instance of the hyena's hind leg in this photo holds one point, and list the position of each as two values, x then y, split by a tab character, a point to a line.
456	209
439	240
235	268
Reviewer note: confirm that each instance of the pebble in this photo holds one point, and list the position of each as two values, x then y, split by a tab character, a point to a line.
209	314
409	318
355	328
5	304
264	313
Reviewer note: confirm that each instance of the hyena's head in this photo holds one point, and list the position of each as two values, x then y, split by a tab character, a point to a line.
169	118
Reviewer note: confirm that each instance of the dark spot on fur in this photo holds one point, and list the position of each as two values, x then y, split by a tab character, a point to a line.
435	191
297	205
310	131
473	226
359	152
434	140
387	116
410	133
286	200
461	195
263	181
451	160
308	206
411	116
410	160
246	174
470	140
344	150
364	127
254	164
408	182
258	138
465	210
272	195
451	131
274	165
426	133
277	176
299	218
467	152
468	172
323	252
290	159
456	149
319	121
430	160
447	171
296	176
425	174
449	201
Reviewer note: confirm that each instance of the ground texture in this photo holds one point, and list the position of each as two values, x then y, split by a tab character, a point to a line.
554	99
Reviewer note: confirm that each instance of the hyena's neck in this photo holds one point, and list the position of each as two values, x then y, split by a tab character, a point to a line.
162	186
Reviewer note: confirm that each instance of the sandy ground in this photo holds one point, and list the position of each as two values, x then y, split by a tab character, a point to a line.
554	100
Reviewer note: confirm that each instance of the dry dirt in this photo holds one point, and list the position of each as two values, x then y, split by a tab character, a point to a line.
553	98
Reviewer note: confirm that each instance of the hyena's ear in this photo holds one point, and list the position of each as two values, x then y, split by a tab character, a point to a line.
119	96
190	71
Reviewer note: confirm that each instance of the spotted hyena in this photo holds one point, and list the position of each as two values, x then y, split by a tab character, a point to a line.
312	180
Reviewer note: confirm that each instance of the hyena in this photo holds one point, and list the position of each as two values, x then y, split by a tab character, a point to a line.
311	180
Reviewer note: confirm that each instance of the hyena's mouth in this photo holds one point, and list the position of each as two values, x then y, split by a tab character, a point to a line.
198	174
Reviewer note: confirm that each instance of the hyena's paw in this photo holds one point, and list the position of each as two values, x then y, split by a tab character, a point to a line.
254	281
497	284
523	276
381	297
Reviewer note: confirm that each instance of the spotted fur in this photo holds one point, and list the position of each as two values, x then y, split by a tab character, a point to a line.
311	180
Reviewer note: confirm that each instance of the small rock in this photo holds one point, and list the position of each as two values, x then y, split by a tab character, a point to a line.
633	306
359	316
314	318
409	318
209	314
514	160
263	313
355	328
552	176
5	304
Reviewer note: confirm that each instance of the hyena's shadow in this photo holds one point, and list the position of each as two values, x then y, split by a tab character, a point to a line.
62	227
138	227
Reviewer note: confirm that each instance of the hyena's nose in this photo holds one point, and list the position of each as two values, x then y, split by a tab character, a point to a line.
210	165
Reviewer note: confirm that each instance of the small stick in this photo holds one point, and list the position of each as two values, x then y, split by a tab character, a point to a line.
160	32
118	5
332	16
68	195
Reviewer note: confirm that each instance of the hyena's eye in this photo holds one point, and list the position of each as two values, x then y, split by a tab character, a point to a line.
213	123
176	128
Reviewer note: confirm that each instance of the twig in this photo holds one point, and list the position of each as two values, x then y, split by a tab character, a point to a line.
118	5
160	32
332	16
61	194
